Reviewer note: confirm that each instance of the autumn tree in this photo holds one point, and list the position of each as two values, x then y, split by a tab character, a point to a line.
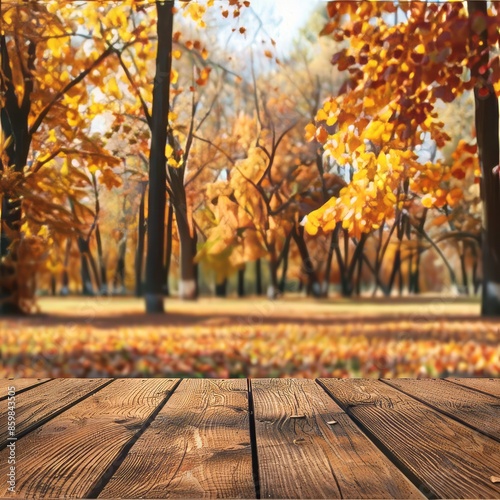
485	71
387	106
47	63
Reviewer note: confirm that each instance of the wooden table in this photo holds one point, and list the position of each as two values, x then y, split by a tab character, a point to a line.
259	438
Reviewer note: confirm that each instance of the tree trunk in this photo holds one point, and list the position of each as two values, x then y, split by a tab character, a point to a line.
286	251
307	266
15	125
168	249
65	276
416	276
358	278
157	161
463	267
273	287
87	288
103	278
103	272
487	134
334	241
258	277
241	282
396	265
357	256
139	254
221	289
119	280
187	282
476	282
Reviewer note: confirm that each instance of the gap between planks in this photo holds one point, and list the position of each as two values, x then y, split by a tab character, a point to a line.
21	385
102	482
477	410
445	459
488	386
47	401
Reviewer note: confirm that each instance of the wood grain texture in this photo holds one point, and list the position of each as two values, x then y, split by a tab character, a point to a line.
446	458
487	385
300	455
470	407
68	456
39	404
198	446
21	384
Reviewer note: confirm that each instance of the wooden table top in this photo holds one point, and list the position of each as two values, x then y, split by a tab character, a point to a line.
259	438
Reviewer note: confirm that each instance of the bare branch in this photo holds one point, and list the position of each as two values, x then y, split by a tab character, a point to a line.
39	119
199	138
144	105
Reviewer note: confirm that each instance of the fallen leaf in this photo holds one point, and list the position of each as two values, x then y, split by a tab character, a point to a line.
297	416
495	479
332	422
298	440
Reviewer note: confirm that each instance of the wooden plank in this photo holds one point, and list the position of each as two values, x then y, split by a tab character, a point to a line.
444	457
46	401
20	384
486	385
74	452
198	446
300	455
470	407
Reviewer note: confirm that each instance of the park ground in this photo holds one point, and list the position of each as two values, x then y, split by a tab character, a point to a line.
429	336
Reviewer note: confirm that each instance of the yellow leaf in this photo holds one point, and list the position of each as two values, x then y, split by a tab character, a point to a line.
52	136
174	76
72	117
65	167
44	232
196	12
54	45
427	200
321	115
420	49
331	120
310	224
368	102
113	88
310	132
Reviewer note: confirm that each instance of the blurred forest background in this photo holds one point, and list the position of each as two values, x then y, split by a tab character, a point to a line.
320	150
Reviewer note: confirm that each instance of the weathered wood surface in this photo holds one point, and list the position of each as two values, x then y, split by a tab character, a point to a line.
487	385
74	452
45	401
473	408
448	459
20	385
328	460
283	438
198	446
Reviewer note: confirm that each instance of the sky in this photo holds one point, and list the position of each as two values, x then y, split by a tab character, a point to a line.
293	14
281	21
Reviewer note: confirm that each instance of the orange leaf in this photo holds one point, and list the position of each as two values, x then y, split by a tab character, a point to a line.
321	134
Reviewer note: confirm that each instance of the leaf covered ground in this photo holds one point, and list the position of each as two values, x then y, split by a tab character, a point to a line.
254	337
